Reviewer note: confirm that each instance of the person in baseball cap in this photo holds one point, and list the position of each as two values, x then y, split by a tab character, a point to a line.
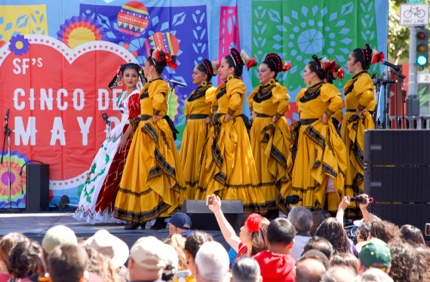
147	260
374	254
180	223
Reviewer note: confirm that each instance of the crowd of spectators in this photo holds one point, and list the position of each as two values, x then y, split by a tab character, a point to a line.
292	250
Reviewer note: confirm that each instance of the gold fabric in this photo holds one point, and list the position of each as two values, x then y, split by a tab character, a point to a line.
270	143
352	129
194	137
318	151
228	167
152	183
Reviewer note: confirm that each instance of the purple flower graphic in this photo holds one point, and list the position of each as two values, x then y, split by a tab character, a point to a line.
19	45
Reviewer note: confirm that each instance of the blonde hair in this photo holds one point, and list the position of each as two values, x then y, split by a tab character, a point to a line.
177	241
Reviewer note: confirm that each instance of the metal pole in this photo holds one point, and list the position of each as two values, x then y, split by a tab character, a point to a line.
412	83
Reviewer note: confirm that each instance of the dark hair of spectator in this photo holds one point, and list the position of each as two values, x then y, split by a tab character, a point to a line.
345	259
364	230
318	216
404	264
67	263
245	269
412	235
385	230
321	244
259	239
23	258
7	243
280	231
333	231
195	240
301	218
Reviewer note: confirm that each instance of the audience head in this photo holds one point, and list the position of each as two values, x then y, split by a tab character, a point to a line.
147	259
100	265
193	243
374	254
56	236
212	262
311	266
321	244
177	241
254	232
67	263
374	275
385	230
318	216
172	262
363	231
109	246
301	218
280	235
405	264
6	244
412	235
332	230
179	223
24	258
246	269
339	274
346	260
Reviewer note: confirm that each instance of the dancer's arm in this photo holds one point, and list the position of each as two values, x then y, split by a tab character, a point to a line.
226	229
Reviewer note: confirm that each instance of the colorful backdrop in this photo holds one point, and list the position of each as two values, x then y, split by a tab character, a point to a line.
57	58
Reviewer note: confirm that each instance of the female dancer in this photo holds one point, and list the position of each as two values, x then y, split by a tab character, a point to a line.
270	136
360	103
317	151
152	185
228	167
97	199
197	111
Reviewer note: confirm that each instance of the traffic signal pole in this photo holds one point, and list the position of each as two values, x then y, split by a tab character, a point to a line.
412	78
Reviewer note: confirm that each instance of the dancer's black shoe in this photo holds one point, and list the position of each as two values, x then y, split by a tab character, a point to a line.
132	226
159	224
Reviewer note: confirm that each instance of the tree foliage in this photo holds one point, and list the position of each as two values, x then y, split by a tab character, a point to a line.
398	36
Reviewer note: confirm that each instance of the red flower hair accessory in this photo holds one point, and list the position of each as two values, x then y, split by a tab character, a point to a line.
158	56
253	222
287	66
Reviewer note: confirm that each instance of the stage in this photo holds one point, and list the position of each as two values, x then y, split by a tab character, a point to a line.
35	225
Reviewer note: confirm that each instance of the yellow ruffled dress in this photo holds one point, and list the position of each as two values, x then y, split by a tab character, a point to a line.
317	150
359	94
228	167
197	109
270	142
152	184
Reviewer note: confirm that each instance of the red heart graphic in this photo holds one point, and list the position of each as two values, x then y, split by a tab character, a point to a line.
53	94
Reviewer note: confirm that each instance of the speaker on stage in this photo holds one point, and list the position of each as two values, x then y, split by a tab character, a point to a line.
37	187
396	174
203	219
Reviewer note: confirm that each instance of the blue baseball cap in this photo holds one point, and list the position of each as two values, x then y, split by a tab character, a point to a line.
181	220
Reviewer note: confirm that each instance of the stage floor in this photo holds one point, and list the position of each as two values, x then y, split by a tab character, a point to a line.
35	225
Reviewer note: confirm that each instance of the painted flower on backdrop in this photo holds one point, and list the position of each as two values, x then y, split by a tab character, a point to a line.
19	45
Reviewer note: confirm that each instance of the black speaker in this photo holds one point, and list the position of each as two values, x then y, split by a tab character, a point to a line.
397	147
37	187
203	219
397	183
414	214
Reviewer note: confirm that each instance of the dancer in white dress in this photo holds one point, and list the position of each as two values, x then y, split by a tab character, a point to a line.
97	199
